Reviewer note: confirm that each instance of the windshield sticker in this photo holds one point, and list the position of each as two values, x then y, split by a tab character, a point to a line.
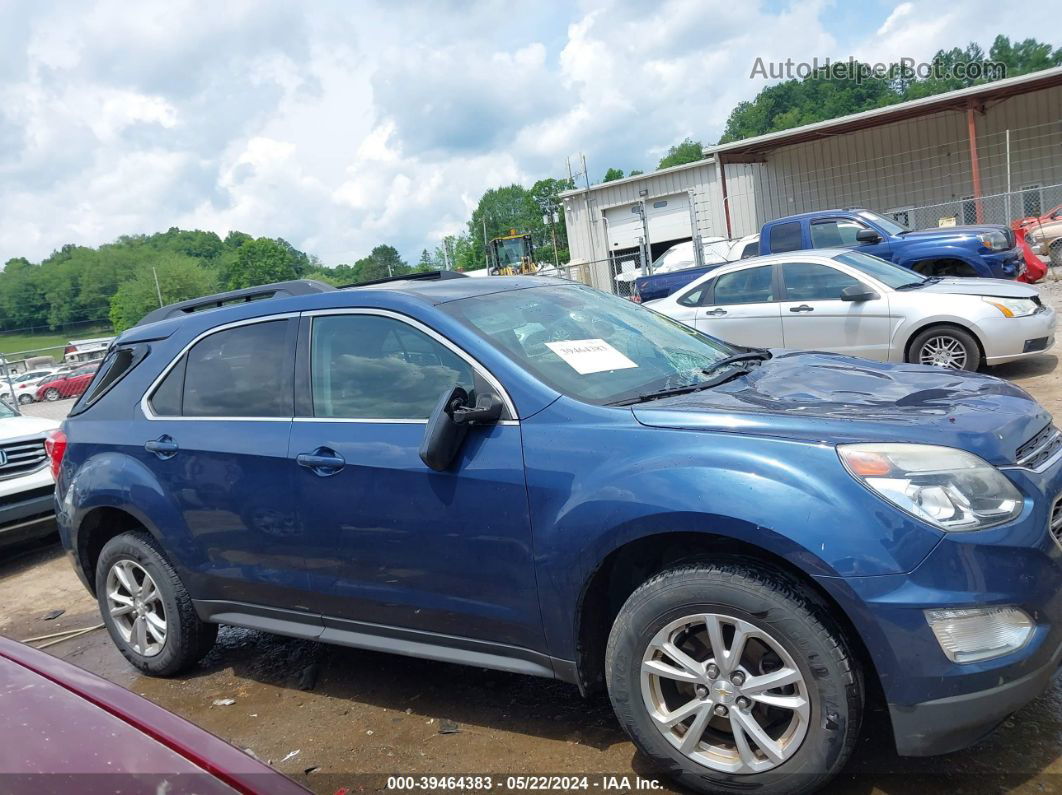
590	356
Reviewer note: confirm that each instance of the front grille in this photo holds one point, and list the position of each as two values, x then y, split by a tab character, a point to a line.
1039	449
1056	521
21	458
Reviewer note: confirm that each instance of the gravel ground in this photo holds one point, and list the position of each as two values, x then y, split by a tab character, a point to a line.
325	714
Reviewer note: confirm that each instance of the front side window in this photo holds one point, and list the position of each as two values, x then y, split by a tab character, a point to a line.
835	233
587	344
245	371
786	237
748	286
373	367
809	281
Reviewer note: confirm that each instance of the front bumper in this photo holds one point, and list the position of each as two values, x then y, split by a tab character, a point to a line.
1006	339
938	706
26	515
950	724
1008	264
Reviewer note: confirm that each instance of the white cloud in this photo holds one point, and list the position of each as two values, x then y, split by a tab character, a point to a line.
339	127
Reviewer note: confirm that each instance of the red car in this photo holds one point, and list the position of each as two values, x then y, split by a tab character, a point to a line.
66	385
68	730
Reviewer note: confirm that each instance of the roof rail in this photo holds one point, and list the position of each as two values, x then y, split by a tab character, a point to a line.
275	290
421	276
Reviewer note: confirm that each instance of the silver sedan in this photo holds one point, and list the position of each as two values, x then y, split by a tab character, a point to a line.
847	302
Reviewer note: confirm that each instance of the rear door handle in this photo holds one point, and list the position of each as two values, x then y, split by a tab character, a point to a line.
323	461
164	447
715	312
802	308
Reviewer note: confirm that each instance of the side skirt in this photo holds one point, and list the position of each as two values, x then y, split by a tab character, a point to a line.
393	640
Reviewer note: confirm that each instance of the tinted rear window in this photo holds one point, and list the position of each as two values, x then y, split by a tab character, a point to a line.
786	237
114	367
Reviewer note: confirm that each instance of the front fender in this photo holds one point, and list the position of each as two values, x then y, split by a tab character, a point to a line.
909	256
593	489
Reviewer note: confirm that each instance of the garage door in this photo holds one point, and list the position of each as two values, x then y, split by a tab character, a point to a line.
669	219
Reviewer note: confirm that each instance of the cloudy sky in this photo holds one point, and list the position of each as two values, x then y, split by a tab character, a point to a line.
340	125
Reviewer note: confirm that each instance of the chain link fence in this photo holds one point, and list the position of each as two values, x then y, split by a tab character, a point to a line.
1001	208
615	274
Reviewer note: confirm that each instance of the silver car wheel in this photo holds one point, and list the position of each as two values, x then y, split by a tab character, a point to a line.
725	693
943	351
136	608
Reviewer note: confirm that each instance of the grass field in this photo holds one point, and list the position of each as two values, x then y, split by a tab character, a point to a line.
13	343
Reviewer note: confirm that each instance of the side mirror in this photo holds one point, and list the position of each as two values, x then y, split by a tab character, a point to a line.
867	236
857	292
449	423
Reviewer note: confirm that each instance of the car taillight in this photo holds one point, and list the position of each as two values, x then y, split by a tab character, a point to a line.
636	297
55	448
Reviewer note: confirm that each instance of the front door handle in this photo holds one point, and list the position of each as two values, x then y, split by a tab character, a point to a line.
715	312
323	461
802	308
164	447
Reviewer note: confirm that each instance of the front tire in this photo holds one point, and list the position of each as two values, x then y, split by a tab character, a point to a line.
52	395
945	346
732	678
146	608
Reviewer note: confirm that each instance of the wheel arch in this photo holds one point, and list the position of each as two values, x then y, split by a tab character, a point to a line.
98	526
941	323
629	565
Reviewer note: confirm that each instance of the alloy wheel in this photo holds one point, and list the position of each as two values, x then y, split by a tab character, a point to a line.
25	399
725	693
943	351
51	394
136	607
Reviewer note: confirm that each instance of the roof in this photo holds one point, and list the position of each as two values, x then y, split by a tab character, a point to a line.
950	100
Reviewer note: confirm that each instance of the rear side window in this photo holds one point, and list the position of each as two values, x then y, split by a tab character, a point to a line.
244	371
786	237
748	286
115	366
750	250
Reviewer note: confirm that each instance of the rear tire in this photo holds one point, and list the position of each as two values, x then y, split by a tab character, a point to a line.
24	400
141	597
790	636
948	347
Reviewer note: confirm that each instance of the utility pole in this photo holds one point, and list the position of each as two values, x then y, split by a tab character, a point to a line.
486	251
10	386
158	290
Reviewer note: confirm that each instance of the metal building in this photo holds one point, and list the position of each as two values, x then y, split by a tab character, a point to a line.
987	153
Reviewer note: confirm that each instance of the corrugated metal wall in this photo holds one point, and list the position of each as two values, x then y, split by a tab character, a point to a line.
911	163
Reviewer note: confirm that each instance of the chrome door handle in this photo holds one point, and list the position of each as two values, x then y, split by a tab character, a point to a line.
164	447
716	312
802	308
322	462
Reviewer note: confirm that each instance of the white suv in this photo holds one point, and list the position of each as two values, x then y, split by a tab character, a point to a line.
26	483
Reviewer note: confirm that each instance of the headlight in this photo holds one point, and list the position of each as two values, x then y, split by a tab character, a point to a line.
951	489
993	241
1012	307
979	633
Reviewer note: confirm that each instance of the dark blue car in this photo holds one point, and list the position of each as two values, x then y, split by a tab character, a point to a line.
747	548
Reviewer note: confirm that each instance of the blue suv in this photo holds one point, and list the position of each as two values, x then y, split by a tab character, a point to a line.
747	548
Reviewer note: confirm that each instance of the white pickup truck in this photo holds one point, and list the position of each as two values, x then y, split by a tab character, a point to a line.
26	485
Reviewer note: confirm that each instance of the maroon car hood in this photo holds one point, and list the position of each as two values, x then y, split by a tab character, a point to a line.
60	720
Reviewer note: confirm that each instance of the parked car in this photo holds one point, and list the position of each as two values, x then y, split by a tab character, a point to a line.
848	302
676	266
985	250
1045	235
26	486
25	385
65	385
531	475
62	723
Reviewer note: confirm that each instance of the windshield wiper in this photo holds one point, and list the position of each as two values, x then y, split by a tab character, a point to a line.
759	355
722	378
923	283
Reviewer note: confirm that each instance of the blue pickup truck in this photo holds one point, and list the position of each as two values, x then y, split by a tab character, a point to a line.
986	250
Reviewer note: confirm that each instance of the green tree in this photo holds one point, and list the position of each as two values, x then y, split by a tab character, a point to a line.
612	175
264	261
688	151
179	277
636	173
501	210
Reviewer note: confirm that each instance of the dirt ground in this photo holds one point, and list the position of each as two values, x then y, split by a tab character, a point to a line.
328	716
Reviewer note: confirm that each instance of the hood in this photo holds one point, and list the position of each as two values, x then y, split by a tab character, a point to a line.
1000	288
17	427
949	231
825	397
